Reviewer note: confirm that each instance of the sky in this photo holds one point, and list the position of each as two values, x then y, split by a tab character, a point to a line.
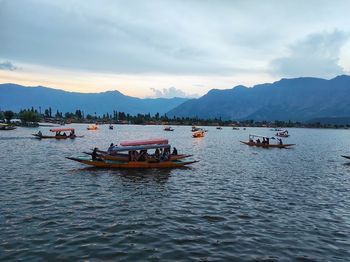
170	48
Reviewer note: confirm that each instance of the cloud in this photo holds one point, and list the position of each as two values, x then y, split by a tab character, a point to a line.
7	65
171	92
316	55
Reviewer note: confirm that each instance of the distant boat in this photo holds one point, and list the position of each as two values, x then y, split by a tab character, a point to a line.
199	134
111	127
6	127
58	135
283	133
92	127
265	143
235	128
219	127
194	129
168	128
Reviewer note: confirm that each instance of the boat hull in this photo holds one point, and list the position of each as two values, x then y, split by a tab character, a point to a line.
267	145
347	157
54	137
130	165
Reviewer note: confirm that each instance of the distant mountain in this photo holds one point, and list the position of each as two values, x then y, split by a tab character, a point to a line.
288	99
16	97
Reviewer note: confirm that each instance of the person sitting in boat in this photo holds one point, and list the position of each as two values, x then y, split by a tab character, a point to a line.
258	141
280	141
157	153
110	149
71	134
39	133
264	141
94	154
267	141
174	151
143	155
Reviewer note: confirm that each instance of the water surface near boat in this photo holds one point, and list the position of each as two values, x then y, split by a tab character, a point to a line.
237	203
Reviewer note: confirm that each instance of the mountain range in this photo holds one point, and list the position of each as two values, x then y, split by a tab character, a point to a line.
16	97
296	99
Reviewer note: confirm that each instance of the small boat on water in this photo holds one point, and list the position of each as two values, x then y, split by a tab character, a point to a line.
111	127
59	134
283	133
219	127
136	157
199	134
168	128
92	127
265	143
195	129
235	128
6	127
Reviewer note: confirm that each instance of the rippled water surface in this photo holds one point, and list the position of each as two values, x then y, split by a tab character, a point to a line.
237	203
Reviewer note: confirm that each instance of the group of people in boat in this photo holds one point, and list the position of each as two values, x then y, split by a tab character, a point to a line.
265	141
160	154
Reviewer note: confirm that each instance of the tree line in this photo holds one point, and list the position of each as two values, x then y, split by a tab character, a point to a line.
32	115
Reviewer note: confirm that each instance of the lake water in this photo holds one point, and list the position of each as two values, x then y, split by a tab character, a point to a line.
238	203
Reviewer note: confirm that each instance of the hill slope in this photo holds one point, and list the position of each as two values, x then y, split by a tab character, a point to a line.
288	99
16	97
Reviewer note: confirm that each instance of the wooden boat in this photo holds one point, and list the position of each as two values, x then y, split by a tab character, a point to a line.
92	127
235	128
130	164
195	129
282	134
251	142
160	159
58	135
198	134
219	128
111	127
6	127
347	157
168	128
125	157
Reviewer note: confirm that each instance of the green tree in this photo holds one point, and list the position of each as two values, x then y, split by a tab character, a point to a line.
8	115
29	116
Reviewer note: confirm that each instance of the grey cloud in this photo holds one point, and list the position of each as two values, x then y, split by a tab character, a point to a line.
7	65
170	37
171	92
317	55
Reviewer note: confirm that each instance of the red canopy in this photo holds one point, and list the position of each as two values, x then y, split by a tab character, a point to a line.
62	129
155	141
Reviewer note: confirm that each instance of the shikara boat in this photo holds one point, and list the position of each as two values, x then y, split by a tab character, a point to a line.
130	164
168	128
58	135
265	144
111	127
219	128
198	134
6	127
195	129
235	128
125	157
92	127
283	133
137	156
